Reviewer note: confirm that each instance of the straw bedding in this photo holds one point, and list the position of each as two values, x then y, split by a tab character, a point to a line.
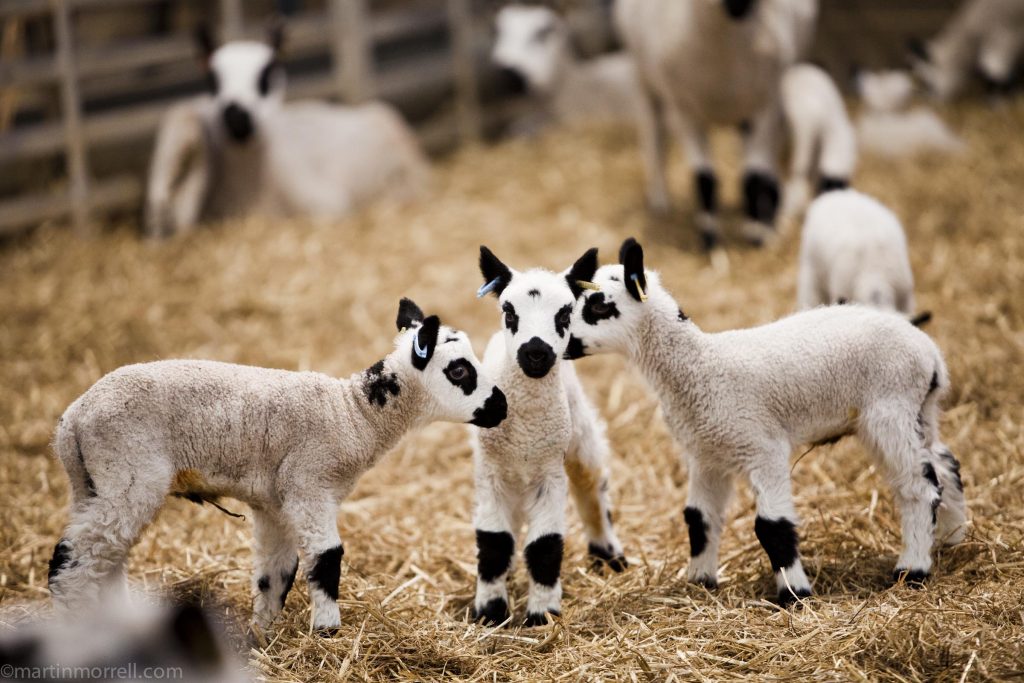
304	295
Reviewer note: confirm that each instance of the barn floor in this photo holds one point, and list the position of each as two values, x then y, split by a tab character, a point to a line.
305	296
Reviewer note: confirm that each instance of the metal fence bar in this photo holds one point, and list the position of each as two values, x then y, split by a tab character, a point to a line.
351	50
71	109
467	101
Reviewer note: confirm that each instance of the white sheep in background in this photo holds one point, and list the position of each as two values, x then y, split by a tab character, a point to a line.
290	444
888	126
854	250
552	442
984	36
824	145
534	44
707	62
741	401
241	150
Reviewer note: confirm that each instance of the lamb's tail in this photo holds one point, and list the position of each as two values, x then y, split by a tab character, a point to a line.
68	449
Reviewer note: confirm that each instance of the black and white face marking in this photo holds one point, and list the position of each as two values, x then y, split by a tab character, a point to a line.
247	83
537	307
597	308
462	374
531	42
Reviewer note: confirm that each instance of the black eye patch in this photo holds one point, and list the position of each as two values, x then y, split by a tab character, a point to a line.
596	309
511	318
265	76
562	319
462	374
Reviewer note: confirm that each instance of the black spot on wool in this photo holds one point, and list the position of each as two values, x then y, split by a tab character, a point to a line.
698	529
467	381
562	319
61	559
928	471
378	384
707	190
761	196
326	571
494	553
596	309
954	466
534	292
511	317
263	584
493	613
544	559
575	349
778	538
289	580
682	317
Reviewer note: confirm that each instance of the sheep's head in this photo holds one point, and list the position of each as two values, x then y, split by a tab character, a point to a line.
246	81
530	45
609	318
442	362
537	307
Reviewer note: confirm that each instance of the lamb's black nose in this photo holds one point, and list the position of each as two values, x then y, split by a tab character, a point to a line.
494	410
238	122
536	358
512	80
737	9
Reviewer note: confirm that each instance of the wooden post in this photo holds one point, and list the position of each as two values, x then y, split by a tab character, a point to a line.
351	50
231	20
71	110
467	102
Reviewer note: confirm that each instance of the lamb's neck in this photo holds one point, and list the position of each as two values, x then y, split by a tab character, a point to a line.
670	351
381	406
529	391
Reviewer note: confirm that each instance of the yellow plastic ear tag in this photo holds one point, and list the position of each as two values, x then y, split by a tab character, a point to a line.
592	286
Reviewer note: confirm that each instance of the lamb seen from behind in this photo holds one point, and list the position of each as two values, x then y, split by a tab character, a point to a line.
552	443
741	401
290	444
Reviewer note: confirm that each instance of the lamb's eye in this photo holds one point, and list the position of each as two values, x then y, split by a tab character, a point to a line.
563	317
458	373
599	308
510	318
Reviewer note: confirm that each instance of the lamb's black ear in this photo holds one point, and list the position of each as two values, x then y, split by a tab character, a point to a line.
424	342
205	42
494	271
582	270
275	33
408	313
631	256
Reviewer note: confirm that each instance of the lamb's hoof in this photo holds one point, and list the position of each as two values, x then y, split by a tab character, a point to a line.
493	613
788	598
328	631
539	618
913	578
707	582
602	557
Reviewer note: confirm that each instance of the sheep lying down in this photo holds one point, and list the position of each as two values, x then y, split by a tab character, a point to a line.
290	444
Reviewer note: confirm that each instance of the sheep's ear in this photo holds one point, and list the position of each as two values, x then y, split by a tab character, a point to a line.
205	42
424	341
631	256
275	33
408	314
582	271
917	50
496	274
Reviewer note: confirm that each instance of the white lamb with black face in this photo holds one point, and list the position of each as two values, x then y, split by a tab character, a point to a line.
290	444
552	443
739	402
241	151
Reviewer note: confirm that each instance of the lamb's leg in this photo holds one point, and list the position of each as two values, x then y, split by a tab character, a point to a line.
652	132
586	467
801	166
178	174
951	517
760	186
698	156
776	524
314	523
544	547
275	562
99	536
495	545
706	503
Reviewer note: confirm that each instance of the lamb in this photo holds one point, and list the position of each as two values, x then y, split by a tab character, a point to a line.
552	442
984	36
715	62
240	151
289	444
854	250
533	46
824	143
740	401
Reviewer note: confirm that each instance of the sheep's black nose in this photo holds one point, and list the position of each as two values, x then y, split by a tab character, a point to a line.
512	80
238	122
494	410
737	9
536	358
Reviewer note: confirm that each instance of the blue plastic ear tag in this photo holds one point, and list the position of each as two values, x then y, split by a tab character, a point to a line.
636	280
417	349
488	288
